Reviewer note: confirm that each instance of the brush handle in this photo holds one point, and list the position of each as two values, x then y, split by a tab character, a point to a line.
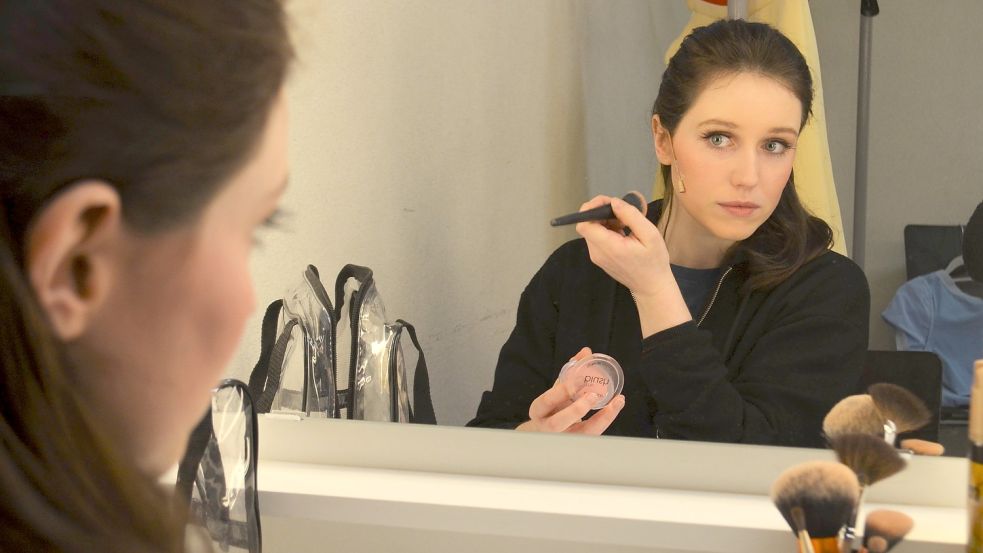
890	432
804	543
825	545
601	213
851	541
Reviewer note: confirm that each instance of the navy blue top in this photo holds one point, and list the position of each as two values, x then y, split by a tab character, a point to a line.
696	286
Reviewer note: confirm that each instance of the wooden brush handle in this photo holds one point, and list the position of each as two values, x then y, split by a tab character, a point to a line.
822	545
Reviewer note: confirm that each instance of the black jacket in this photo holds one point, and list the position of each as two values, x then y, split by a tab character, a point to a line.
762	368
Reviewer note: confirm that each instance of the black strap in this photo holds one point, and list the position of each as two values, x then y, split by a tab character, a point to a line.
359	273
188	468
275	371
257	378
422	402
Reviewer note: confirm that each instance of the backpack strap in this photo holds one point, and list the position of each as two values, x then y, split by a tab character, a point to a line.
188	468
258	376
423	403
275	370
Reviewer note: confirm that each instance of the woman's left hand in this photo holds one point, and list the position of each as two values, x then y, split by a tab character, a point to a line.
640	260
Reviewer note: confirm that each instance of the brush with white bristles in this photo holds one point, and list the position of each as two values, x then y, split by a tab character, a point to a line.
816	499
854	415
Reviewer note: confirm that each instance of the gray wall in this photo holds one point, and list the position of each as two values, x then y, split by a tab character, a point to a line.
926	132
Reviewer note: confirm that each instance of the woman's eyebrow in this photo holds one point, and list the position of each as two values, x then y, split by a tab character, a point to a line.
718	122
787	130
730	125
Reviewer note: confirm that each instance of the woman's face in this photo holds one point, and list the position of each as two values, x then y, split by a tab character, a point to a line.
733	151
175	311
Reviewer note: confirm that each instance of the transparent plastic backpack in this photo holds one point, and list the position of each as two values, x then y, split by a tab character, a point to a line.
344	361
217	476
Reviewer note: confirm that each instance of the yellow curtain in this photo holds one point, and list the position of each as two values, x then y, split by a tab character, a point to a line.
813	169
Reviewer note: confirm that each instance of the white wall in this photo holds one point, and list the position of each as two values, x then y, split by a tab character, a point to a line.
431	141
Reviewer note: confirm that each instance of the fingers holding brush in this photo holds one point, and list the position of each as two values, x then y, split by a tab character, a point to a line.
640	260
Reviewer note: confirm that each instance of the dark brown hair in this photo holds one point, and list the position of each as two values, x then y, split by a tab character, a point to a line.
164	100
791	236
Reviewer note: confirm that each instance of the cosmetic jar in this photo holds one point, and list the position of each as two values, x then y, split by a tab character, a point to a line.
600	373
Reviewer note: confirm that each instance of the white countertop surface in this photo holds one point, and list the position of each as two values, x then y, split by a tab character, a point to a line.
432	482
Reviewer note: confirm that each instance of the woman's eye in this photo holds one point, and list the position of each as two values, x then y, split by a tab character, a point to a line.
718	140
776	147
274	221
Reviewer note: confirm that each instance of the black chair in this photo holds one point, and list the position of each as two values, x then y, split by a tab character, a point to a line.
929	248
920	372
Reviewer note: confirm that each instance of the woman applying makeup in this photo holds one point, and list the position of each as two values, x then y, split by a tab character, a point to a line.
142	147
731	317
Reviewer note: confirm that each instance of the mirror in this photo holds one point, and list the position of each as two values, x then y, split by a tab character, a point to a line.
432	141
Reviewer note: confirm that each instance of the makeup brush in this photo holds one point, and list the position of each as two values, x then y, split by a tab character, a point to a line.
854	415
816	499
885	529
923	447
902	409
601	213
799	522
872	460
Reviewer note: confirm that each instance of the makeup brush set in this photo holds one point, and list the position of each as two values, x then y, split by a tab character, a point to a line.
821	500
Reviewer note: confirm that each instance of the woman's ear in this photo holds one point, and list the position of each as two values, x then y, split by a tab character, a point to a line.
71	253
662	141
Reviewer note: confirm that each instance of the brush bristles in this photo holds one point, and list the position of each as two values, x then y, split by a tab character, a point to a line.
854	415
889	526
877	545
871	458
901	406
825	491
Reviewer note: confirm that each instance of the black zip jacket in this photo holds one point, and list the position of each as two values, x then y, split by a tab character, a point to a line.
762	368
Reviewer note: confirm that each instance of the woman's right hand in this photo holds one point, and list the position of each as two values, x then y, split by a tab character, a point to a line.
556	411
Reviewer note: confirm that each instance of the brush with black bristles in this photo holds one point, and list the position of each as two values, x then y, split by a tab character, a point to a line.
902	410
885	529
854	415
816	500
871	459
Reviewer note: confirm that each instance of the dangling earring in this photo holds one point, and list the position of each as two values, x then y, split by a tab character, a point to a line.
672	152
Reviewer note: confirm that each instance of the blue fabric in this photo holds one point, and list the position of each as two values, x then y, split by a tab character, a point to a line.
696	286
931	313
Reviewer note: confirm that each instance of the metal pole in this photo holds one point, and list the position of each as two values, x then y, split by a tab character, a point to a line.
868	9
737	9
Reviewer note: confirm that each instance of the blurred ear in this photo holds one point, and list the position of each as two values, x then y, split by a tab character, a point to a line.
71	248
661	138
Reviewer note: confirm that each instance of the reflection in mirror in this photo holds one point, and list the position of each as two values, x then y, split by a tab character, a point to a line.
732	317
460	142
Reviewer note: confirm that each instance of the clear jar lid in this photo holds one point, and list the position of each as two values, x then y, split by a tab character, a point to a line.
600	373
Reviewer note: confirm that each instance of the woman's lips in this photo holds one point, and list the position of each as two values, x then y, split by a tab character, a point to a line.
739	209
